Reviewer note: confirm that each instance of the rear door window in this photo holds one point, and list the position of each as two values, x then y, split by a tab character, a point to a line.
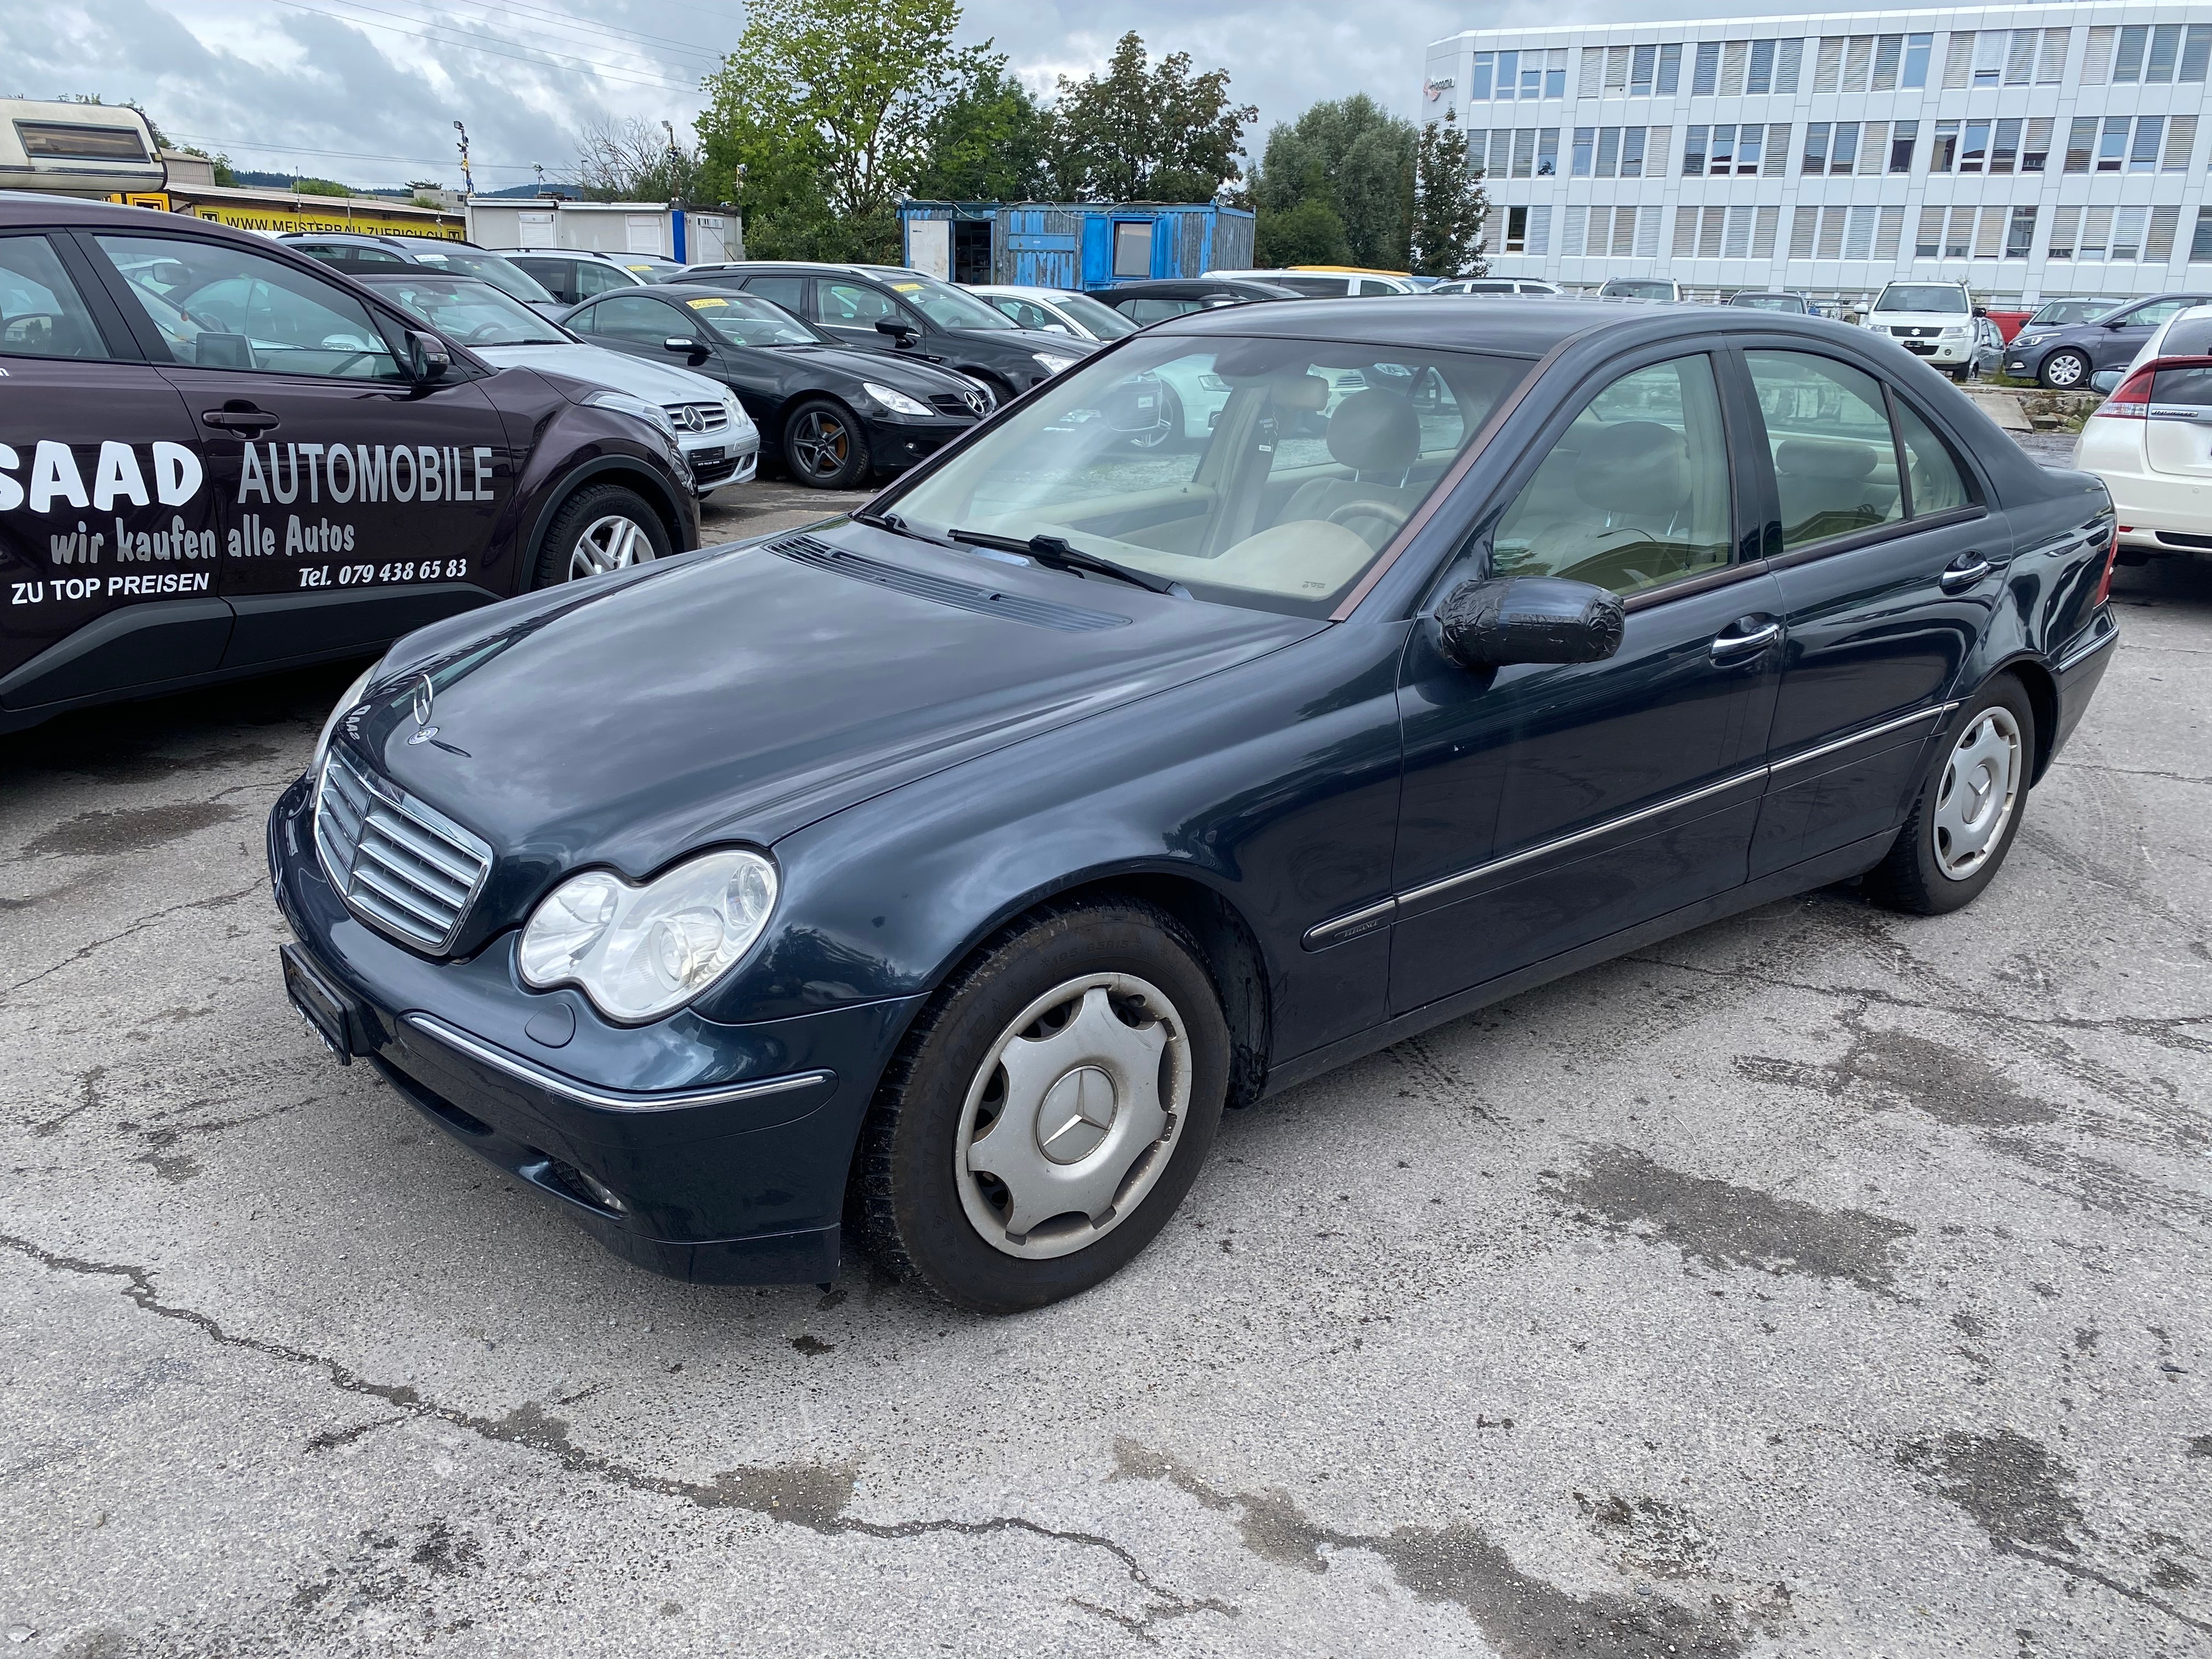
599	279
1835	457
852	305
41	312
789	292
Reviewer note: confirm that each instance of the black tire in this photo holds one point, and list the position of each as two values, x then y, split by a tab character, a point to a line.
561	556
2073	370
824	447
910	1202
1912	877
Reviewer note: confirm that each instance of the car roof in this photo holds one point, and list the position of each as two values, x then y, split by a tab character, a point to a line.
1476	322
1179	287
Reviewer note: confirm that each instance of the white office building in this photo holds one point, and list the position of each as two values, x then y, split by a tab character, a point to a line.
2030	151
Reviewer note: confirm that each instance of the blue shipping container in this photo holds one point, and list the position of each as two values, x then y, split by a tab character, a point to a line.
1073	245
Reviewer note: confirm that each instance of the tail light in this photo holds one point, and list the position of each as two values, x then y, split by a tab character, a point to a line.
2111	557
2131	400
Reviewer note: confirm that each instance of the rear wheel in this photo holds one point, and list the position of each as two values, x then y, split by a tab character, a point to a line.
2062	370
823	446
601	528
1049	1111
1968	812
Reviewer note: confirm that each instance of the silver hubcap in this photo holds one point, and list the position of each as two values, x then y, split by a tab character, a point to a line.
1072	1116
2065	369
1981	783
613	543
821	443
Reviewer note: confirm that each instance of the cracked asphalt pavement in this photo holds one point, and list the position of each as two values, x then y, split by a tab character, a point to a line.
1823	1282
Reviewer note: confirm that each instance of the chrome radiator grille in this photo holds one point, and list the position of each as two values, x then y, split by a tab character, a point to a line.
398	865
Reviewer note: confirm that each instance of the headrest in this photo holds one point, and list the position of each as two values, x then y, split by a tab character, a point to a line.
1636	465
1811	457
1375	431
1300	390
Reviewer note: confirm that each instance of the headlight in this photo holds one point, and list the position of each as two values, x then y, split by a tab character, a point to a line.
352	696
1053	365
897	403
1954	333
651	414
739	419
640	952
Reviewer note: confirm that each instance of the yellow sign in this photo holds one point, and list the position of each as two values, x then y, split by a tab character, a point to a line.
277	219
706	305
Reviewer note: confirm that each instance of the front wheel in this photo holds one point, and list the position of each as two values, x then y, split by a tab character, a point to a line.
1048	1110
2062	370
601	528
823	446
1968	812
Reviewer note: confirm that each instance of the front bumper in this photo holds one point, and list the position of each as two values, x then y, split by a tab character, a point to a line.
896	445
1940	351
714	464
716	1153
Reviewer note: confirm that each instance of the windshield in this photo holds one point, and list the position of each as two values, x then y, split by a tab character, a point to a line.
474	313
1258	472
743	320
1103	320
944	305
1789	302
1924	296
503	275
1621	287
2053	314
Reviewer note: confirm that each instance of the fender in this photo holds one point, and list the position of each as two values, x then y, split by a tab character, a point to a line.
1280	778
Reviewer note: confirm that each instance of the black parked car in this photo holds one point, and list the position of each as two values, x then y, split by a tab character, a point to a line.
2064	357
833	416
992	840
1149	302
219	456
887	309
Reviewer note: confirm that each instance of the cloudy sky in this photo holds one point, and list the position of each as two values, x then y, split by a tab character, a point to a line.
368	90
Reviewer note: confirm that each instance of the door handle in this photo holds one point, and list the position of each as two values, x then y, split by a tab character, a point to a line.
1964	573
1736	647
238	420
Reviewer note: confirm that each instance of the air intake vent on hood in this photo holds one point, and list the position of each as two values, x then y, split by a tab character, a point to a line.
945	590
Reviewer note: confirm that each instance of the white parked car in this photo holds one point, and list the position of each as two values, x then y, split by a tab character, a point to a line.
1522	285
1661	288
1054	311
1934	321
1327	282
715	437
2151	440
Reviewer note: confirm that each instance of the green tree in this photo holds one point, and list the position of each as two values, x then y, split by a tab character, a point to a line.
318	187
1309	234
1448	204
1353	157
1142	133
847	89
991	143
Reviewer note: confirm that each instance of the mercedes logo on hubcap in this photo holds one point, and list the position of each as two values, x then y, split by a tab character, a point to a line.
1076	1113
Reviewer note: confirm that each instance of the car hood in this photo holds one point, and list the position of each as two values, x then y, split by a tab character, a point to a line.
1886	320
738	694
657	383
1031	339
899	373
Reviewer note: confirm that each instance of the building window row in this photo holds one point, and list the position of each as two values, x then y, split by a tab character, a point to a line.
2148	54
2144	234
2111	144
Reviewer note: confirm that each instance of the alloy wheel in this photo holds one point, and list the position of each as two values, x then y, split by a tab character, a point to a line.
1073	1116
1980	789
613	543
2065	369
821	442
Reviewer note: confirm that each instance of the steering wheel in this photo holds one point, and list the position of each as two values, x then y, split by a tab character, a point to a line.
476	334
1392	516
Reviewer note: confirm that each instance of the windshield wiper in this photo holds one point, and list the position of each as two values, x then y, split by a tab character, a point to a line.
896	525
1055	554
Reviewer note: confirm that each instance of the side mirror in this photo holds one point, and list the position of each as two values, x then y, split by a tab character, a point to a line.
1981	310
428	360
900	330
1509	619
2107	380
684	347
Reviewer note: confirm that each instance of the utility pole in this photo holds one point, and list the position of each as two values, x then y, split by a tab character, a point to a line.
468	183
